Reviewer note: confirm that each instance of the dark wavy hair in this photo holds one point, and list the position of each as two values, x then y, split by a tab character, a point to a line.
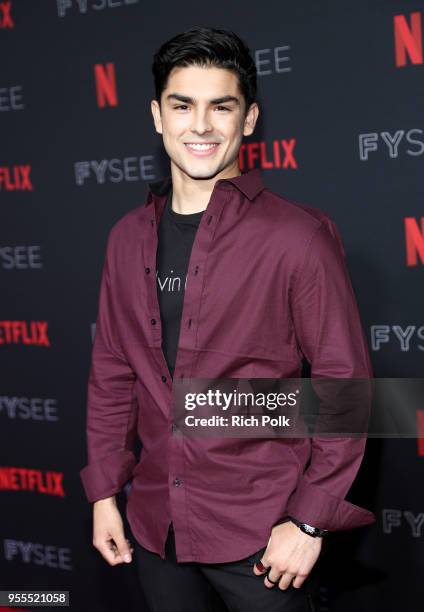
202	46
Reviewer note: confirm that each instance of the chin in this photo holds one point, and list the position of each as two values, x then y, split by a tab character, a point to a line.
202	173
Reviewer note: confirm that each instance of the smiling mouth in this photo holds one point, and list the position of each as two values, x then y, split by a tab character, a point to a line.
201	148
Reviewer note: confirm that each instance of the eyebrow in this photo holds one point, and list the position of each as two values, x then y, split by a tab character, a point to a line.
188	100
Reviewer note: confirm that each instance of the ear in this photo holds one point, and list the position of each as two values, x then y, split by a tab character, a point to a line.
154	105
250	119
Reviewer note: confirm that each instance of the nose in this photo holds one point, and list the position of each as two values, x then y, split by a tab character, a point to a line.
200	122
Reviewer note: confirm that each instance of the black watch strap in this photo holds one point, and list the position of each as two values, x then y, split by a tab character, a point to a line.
315	532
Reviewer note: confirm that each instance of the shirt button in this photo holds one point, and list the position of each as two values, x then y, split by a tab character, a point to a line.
164	378
153	321
174	427
147	270
177	482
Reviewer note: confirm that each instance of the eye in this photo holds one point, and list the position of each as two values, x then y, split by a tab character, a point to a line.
181	106
223	108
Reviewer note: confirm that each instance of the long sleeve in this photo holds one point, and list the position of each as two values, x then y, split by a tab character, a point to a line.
330	336
111	404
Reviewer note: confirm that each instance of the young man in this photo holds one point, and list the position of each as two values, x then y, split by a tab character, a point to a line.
217	277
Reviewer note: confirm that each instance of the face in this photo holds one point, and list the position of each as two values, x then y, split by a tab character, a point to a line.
202	119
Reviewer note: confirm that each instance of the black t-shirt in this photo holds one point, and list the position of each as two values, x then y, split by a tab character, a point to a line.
176	234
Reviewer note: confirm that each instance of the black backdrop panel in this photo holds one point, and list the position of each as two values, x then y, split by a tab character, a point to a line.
329	85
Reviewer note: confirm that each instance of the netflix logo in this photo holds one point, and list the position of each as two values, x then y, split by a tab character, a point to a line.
15	178
414	241
408	39
24	332
6	21
105	82
24	479
268	156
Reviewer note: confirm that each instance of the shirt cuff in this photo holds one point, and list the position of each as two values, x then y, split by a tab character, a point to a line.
313	505
108	475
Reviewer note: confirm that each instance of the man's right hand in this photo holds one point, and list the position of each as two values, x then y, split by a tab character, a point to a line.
108	532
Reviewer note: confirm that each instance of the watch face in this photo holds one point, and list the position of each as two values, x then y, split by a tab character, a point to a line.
309	529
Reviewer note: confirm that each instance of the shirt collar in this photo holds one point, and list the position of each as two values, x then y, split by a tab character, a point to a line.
250	183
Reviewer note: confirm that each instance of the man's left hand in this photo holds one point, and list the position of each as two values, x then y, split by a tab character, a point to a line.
290	554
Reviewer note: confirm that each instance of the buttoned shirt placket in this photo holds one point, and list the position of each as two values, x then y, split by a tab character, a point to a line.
187	338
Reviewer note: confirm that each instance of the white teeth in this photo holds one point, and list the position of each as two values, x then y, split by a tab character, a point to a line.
200	147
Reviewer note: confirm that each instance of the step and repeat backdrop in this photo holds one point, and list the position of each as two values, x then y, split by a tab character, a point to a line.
340	128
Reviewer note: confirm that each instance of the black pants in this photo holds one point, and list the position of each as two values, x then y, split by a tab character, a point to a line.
169	586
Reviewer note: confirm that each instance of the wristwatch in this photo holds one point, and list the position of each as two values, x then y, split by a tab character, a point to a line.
315	532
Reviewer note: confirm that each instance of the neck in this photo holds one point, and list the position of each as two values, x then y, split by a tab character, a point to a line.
192	195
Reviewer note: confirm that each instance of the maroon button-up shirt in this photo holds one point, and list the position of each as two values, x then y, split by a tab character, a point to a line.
267	285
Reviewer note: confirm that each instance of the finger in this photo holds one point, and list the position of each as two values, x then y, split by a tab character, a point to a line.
299	580
109	552
123	548
260	567
115	550
272	579
286	580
